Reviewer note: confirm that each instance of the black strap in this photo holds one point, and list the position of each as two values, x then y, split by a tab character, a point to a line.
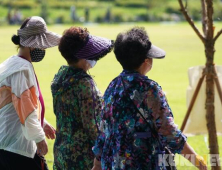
153	131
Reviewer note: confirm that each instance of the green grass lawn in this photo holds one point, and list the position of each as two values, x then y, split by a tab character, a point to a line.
183	49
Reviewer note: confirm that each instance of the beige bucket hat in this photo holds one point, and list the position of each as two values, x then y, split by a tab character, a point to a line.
36	35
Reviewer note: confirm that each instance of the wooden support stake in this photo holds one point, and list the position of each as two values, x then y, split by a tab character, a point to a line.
192	101
218	85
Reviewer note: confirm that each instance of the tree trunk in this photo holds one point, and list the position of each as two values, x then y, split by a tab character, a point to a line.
210	110
209	40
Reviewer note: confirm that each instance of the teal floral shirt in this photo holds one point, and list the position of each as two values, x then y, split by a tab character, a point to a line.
76	102
126	141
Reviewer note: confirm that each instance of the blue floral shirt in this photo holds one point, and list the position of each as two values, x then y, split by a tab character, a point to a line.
125	141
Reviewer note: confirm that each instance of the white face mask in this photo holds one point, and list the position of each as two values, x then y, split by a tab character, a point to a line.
92	63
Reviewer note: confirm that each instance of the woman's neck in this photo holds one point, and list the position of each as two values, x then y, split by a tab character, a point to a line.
141	71
25	53
81	64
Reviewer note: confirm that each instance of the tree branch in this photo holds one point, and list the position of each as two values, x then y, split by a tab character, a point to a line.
186	4
204	17
190	21
217	36
210	11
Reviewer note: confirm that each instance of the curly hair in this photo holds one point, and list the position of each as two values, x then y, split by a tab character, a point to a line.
72	41
131	48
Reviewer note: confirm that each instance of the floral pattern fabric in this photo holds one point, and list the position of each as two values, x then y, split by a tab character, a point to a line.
125	141
77	102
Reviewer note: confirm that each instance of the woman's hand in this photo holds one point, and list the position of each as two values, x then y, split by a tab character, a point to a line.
199	161
201	164
42	148
97	165
49	131
202	167
96	168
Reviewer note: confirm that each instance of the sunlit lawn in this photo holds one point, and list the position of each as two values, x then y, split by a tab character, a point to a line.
183	49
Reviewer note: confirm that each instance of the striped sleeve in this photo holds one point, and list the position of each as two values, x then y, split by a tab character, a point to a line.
27	105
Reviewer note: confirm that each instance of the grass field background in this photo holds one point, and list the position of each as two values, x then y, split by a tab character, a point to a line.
121	10
183	49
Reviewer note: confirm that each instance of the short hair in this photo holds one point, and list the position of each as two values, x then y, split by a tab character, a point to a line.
72	41
131	48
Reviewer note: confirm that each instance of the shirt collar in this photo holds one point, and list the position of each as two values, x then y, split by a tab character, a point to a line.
132	73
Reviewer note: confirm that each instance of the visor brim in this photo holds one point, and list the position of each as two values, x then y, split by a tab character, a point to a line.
96	48
156	52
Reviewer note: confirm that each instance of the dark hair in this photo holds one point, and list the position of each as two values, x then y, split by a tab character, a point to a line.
72	41
15	38
131	48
